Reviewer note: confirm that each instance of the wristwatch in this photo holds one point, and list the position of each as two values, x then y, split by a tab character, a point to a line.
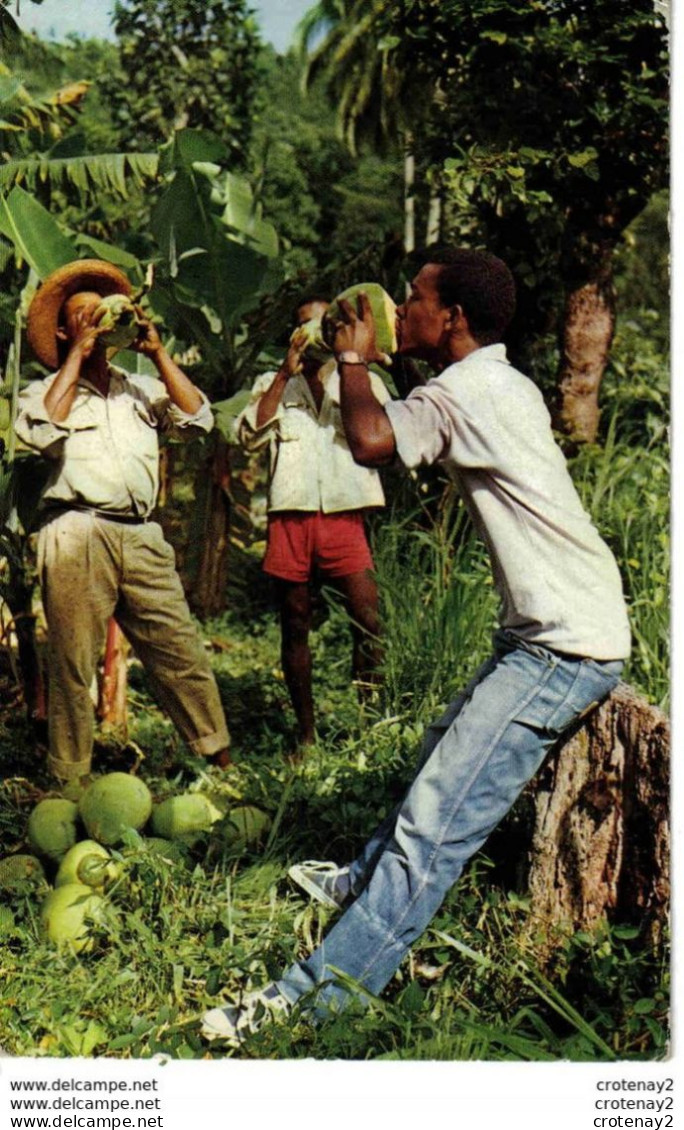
350	357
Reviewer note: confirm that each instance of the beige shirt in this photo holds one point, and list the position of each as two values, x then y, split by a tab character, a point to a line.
312	467
106	453
488	425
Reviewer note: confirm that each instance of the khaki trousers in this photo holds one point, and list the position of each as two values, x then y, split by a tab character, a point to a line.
92	568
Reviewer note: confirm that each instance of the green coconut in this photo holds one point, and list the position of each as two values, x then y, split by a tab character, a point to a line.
309	336
119	320
89	863
70	913
114	803
384	312
20	874
185	817
246	826
52	827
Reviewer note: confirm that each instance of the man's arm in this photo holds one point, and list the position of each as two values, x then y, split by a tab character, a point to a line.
366	424
182	392
268	404
60	395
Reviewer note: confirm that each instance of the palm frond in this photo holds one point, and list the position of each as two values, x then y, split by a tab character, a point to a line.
322	17
354	64
23	111
10	33
109	172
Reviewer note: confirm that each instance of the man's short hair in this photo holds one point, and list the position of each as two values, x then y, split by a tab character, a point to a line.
478	282
308	300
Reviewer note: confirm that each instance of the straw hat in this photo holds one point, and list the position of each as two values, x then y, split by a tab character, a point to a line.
43	314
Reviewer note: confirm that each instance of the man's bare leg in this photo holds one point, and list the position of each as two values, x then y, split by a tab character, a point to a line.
294	602
360	593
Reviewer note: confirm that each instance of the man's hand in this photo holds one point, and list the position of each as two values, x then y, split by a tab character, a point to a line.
87	331
83	336
270	399
148	340
355	331
293	358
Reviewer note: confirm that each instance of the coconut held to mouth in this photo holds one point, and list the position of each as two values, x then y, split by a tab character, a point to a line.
118	320
318	334
383	309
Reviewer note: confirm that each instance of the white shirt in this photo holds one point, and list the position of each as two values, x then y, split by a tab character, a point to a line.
488	425
312	467
106	453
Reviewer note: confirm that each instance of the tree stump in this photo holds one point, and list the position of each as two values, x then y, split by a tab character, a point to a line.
601	843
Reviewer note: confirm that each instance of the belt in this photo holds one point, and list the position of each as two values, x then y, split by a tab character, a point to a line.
108	515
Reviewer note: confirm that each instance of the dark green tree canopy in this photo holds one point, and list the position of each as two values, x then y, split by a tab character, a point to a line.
187	64
549	123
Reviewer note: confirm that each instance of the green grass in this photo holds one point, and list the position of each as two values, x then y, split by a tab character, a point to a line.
626	490
180	939
177	940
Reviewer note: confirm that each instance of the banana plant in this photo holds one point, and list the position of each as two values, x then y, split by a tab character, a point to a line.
111	173
20	483
218	256
217	262
23	111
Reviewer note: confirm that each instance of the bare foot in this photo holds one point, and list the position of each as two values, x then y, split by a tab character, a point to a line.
303	748
222	759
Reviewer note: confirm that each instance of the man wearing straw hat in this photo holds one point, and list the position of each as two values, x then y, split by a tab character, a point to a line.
100	554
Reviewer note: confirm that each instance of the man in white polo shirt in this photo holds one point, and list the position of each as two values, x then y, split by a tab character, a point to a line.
564	632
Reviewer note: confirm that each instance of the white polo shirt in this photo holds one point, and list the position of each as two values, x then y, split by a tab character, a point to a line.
488	425
312	467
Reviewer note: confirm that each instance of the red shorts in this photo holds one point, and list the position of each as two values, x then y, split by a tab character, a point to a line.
298	541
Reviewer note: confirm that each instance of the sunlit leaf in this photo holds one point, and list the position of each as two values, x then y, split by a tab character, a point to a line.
36	235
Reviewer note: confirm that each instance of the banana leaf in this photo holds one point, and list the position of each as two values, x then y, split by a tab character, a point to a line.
37	237
227	411
220	255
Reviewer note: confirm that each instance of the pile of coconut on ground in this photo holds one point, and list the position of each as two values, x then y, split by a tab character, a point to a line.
80	848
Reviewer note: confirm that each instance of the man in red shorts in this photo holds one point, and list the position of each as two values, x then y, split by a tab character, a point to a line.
316	501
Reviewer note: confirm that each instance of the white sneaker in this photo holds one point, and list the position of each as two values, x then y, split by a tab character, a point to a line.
235	1023
325	882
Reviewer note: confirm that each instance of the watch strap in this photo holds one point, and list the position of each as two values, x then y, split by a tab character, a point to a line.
350	357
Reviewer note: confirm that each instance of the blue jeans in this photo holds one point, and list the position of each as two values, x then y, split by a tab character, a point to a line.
475	761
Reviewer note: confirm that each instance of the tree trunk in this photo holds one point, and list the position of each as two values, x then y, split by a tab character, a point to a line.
112	704
29	665
166	475
434	222
601	840
18	595
587	334
209	593
409	198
